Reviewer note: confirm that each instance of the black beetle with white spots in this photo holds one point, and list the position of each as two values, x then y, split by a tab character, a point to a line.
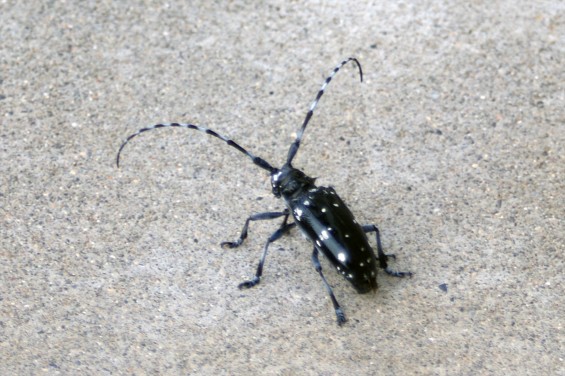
318	212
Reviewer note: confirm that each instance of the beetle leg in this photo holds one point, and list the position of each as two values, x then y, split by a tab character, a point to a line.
254	217
283	229
338	311
383	258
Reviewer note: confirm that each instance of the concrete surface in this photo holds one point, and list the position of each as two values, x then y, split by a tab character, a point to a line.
453	145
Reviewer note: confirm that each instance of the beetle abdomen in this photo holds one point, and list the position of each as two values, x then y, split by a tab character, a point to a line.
327	222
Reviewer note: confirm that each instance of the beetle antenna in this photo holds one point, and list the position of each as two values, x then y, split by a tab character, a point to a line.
256	160
296	144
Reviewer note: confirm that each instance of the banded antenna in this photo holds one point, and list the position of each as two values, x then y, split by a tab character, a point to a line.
296	144
258	161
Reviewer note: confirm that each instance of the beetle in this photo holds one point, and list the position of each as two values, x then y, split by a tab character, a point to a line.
318	212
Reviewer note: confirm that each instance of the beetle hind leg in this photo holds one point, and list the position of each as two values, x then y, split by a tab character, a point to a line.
382	257
338	311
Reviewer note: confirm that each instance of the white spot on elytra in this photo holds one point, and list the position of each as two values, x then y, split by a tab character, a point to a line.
336	204
306	202
318	243
324	235
341	257
372	274
361	264
350	276
368	261
347	235
324	210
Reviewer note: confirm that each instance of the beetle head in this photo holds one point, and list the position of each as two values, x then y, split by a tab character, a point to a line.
289	181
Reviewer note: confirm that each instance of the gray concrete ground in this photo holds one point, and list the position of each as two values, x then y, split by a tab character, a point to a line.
453	145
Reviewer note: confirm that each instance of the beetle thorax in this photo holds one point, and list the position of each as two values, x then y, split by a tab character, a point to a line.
289	182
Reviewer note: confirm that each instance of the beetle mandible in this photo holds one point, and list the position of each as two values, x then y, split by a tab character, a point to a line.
318	212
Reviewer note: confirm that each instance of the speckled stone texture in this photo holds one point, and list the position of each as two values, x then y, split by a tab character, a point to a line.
453	145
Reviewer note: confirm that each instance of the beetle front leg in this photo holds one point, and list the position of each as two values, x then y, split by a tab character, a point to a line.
383	258
254	217
283	229
338	311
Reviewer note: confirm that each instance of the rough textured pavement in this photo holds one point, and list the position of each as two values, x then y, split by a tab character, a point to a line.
453	145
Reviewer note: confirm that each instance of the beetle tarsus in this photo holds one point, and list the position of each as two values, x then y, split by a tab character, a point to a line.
340	317
249	284
231	244
398	274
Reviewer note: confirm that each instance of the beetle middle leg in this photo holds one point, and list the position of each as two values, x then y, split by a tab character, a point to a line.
383	258
283	229
338	311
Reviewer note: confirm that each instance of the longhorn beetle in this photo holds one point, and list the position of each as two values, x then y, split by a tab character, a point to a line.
318	212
